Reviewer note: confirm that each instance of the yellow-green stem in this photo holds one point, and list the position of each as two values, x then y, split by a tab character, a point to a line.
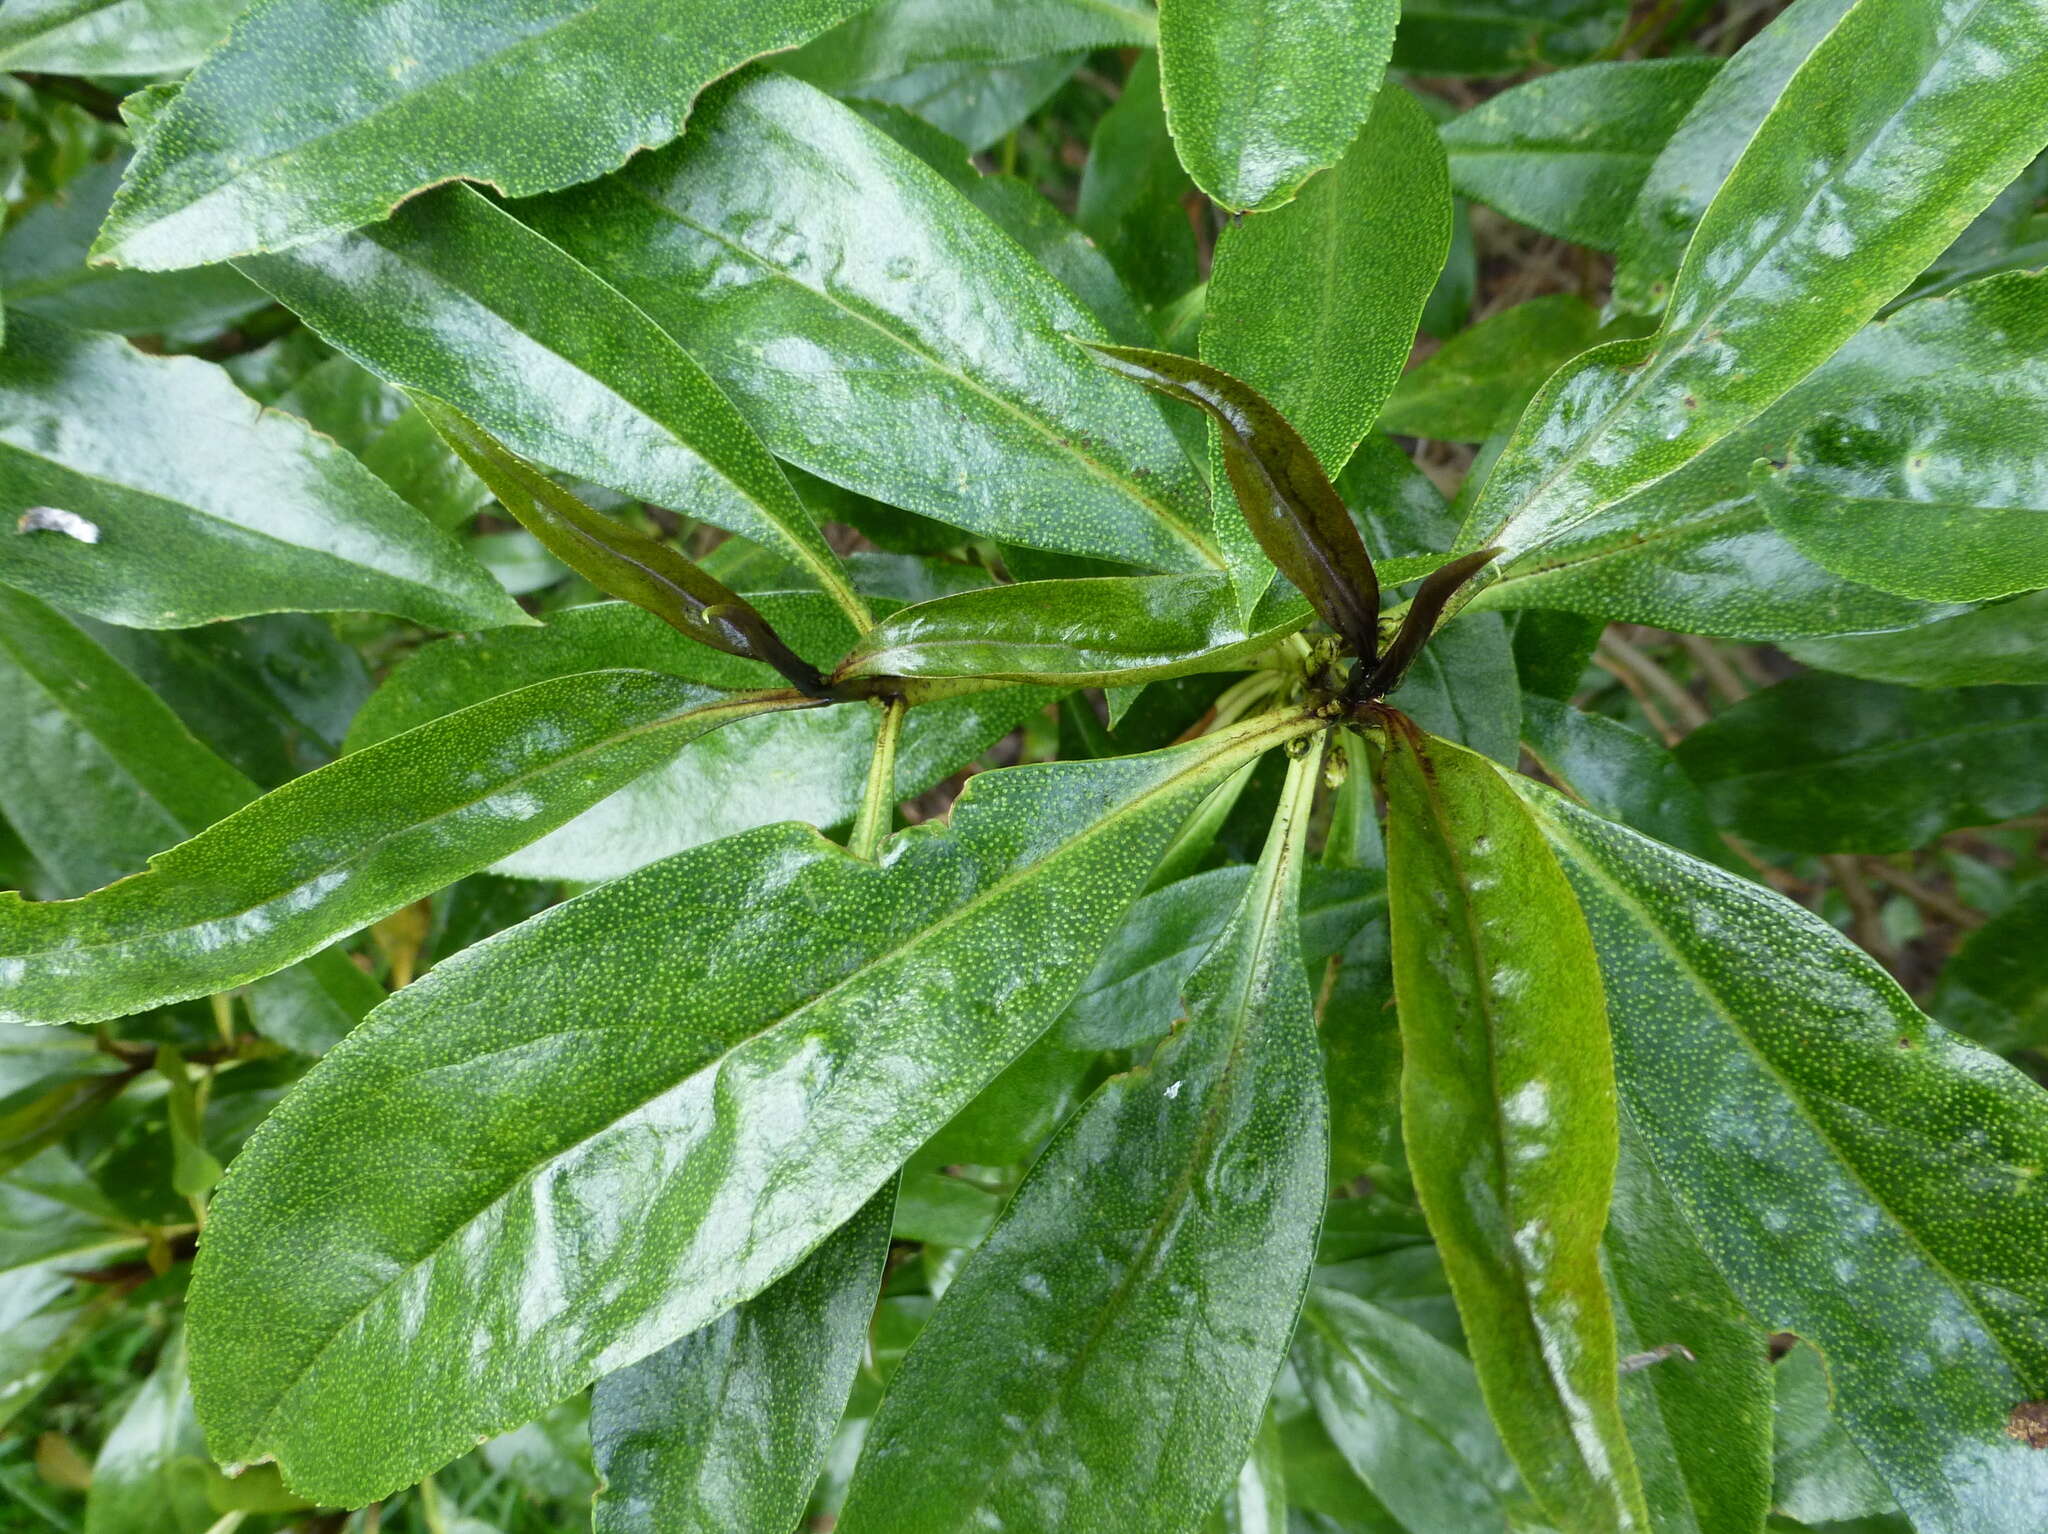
878	799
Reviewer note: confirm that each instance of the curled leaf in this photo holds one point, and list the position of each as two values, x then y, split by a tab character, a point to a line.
1289	503
1428	605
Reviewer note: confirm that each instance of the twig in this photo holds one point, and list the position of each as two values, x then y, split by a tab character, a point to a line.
1933	901
1714	667
1641	694
1868	919
1691	713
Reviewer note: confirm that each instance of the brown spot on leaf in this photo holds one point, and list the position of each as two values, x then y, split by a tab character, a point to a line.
2029	1424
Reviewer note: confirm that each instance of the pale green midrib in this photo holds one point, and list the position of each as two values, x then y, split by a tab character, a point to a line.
1489	1006
1934	741
829	573
1001	886
349	567
1262	895
740	710
1168	518
1661	359
1626	899
1632	542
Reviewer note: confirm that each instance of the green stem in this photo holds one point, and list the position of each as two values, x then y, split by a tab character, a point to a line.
878	799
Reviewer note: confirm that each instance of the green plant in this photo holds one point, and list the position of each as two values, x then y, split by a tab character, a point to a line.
1329	1068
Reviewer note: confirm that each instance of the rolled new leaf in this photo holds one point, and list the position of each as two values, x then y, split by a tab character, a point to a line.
1289	503
617	560
1427	606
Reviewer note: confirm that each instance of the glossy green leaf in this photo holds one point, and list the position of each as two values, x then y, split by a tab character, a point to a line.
1405	1412
112	37
1132	191
1460	392
43	269
1567	153
1830	764
1818	1476
53	1222
725	1429
977	103
337	849
1315	306
315	118
2005	642
1699	1419
1118	629
1257	1500
2009	235
1860	1176
895	37
786	1023
1995	988
530	344
1262	97
1902	125
185	504
1104	1358
384	429
1698	157
803	764
1500	37
1292	510
136	1480
1508	1108
1940	497
1553	650
1616	772
882	333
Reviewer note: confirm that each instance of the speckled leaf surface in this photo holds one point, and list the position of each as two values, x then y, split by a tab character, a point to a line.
196	505
318	116
1831	764
1859	1175
2005	642
882	333
1901	126
1508	1111
882	42
112	37
1261	97
725	1429
1567	153
1103	1360
618	1177
339	848
1315	304
454	298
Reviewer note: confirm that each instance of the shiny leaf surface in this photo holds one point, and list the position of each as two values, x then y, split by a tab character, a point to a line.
1131	191
1860	1176
1498	37
725	1429
532	346
316	118
1567	153
893	38
112	37
1830	764
1460	392
192	505
1104	1358
881	333
1995	988
2006	642
1628	777
1508	1109
1262	97
774	1061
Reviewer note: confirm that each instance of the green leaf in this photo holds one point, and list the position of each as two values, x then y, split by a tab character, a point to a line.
1461	391
1860	1176
1995	988
1257	1500
898	36
2005	642
1104	1358
803	764
315	118
1315	306
1567	153
1699	1419
1508	1109
42	266
1499	37
1464	687
395	442
337	849
1628	777
139	1479
1935	496
2009	235
784	1024
182	503
1818	1475
112	37
883	334
530	344
194	1169
1114	630
1698	157
725	1429
1132	191
977	103
1405	1412
1830	764
1262	97
1960	94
